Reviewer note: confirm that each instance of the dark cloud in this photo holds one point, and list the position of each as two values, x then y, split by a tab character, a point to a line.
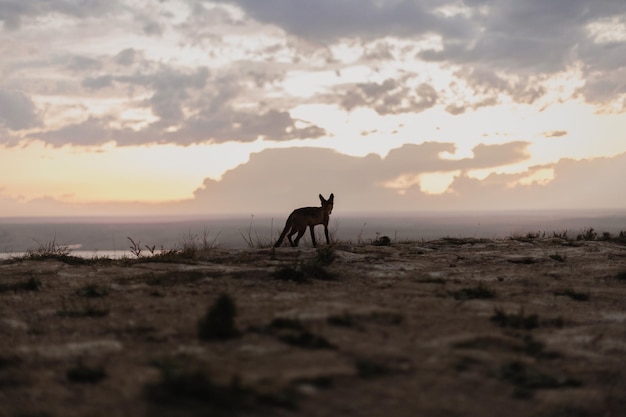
17	111
392	96
12	12
329	20
126	57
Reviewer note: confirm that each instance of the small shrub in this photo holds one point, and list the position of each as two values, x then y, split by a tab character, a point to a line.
219	321
382	241
515	321
478	292
85	374
587	234
32	284
325	255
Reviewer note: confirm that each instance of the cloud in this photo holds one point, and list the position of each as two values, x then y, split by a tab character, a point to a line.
389	97
279	178
555	134
17	111
289	175
12	12
328	20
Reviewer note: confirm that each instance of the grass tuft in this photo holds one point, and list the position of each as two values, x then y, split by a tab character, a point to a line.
219	320
480	292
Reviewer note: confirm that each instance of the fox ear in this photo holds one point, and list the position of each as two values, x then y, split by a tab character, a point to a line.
322	198
332	197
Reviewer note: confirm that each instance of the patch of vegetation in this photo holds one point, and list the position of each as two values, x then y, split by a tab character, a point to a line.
521	321
219	320
85	374
526	379
515	320
303	272
93	291
578	296
381	241
305	339
191	391
525	260
376	367
31	284
558	257
256	241
82	309
325	255
587	234
284	323
480	291
344	320
293	332
460	241
290	273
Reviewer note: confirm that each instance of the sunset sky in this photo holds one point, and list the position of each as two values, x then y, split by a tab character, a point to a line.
248	106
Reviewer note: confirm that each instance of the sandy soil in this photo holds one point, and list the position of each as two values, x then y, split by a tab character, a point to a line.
453	327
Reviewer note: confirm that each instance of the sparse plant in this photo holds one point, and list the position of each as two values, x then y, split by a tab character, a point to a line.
135	247
255	241
219	321
587	234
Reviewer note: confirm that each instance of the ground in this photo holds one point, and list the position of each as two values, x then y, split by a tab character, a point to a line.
454	327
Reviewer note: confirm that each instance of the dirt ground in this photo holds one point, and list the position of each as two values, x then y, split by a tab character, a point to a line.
453	327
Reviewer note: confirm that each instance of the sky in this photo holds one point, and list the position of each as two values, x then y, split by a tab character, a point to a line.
137	107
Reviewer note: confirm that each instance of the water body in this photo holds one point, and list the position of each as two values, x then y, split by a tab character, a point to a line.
109	236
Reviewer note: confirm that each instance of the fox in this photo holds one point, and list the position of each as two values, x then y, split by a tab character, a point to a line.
304	217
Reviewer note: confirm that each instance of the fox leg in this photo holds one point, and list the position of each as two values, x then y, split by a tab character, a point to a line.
312	235
292	232
326	234
283	234
300	233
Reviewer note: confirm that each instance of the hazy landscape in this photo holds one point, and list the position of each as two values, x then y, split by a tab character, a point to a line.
109	236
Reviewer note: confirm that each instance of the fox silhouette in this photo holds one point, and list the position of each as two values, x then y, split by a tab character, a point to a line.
304	217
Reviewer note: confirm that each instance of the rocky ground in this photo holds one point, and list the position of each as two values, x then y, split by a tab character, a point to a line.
454	327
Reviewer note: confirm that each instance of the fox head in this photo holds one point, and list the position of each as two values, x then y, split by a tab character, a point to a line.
327	205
